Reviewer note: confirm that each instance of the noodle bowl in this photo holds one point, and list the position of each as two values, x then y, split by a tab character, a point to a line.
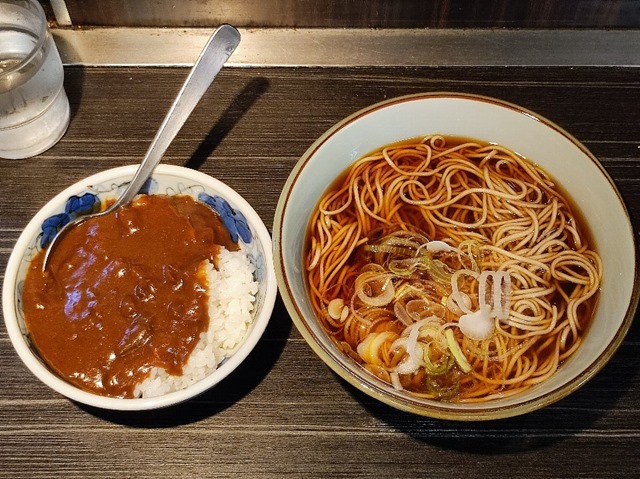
456	268
451	269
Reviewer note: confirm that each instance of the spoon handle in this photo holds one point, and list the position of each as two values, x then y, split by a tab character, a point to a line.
218	49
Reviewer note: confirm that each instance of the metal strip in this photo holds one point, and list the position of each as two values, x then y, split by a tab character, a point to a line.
355	47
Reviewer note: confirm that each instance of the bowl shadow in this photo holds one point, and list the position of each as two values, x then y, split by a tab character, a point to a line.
232	389
598	405
538	429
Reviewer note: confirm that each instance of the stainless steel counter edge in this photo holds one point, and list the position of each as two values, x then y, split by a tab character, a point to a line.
354	47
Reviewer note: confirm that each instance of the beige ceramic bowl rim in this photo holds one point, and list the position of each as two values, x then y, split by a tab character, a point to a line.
34	364
442	411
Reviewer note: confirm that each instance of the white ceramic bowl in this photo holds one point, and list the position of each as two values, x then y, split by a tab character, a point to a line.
166	179
490	120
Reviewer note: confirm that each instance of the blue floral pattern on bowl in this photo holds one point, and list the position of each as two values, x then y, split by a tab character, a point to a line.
74	207
80	205
233	220
90	202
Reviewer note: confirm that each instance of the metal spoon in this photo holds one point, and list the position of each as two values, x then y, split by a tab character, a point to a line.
218	49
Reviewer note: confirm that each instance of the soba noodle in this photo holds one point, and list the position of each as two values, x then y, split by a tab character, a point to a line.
451	269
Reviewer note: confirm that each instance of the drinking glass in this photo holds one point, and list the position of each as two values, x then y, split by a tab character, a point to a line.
34	109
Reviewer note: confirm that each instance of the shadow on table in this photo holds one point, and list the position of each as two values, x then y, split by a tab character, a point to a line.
73	85
73	77
538	429
228	119
249	374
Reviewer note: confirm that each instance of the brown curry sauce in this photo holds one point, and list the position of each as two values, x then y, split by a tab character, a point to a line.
125	292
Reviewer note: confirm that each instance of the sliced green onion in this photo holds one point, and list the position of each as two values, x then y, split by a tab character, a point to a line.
391	249
425	262
456	351
440	272
435	368
402	267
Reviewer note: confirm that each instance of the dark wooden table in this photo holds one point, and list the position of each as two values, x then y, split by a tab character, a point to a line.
283	413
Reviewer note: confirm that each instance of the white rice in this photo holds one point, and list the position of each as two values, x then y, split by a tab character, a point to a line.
232	291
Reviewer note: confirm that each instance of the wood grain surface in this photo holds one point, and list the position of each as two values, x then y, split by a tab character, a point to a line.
283	413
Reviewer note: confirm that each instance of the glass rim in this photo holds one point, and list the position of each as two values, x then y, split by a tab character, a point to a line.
42	36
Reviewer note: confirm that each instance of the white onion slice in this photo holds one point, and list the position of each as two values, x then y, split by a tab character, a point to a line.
459	297
413	360
369	347
500	293
336	309
387	290
402	315
478	325
395	380
438	246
